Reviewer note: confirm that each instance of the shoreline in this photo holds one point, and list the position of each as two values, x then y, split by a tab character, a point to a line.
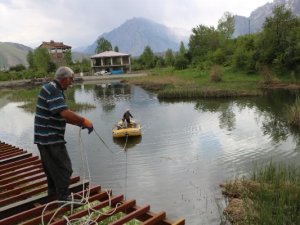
78	79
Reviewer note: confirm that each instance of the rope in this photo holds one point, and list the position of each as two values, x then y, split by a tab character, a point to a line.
125	167
102	141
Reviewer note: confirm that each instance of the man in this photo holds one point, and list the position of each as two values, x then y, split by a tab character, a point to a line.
52	114
126	116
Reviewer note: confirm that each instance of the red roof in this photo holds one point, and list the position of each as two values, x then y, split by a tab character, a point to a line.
53	44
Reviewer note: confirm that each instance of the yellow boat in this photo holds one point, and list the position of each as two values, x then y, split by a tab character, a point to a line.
121	130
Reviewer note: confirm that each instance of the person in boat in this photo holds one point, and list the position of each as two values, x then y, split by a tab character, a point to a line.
51	116
126	116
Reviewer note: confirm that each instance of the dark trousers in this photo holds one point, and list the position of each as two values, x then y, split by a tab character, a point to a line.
58	168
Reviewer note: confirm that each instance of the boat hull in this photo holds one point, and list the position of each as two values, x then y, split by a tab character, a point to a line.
133	130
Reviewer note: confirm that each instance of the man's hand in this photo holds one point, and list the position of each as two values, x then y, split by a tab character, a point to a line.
87	124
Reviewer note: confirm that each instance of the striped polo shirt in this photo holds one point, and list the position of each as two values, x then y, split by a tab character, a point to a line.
49	126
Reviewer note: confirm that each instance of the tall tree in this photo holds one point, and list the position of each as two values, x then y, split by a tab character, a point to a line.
182	49
103	45
68	57
30	59
202	41
169	57
41	59
147	58
116	49
279	41
226	25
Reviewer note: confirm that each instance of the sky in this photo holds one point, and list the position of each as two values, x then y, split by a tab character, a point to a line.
79	23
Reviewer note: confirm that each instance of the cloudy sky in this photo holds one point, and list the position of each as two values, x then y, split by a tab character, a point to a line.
79	22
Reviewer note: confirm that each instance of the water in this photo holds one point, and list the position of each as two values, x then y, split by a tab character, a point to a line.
187	148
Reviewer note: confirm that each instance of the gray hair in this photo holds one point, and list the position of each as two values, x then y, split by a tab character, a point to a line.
63	72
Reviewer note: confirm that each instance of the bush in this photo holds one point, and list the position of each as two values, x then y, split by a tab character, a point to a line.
216	73
181	63
18	67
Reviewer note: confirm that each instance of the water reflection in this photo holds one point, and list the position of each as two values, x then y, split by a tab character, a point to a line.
110	93
187	147
129	143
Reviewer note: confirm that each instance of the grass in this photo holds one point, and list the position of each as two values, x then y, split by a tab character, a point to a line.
29	97
192	82
293	113
270	196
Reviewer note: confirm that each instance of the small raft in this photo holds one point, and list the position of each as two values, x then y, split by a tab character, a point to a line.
121	130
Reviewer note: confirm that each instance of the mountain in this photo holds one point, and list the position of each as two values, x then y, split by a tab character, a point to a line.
135	34
12	54
254	23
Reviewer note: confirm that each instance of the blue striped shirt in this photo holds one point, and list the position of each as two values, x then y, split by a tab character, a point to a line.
49	126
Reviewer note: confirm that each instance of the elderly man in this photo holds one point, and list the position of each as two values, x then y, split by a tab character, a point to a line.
52	114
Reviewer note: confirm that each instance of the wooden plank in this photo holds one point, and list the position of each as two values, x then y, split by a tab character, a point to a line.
36	212
21	164
15	158
132	215
10	153
21	182
85	212
155	218
19	190
29	203
21	170
125	205
21	176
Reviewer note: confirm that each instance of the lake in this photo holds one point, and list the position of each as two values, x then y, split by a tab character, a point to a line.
186	150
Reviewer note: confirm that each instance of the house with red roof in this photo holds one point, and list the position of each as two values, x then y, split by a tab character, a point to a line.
56	51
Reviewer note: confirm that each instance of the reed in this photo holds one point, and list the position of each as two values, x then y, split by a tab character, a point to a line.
270	196
191	93
293	113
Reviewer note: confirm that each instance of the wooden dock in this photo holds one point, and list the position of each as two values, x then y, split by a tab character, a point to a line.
24	199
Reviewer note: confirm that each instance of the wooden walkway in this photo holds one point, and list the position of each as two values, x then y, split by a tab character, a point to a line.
23	196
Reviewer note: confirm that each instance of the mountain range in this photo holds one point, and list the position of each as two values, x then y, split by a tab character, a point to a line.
254	23
12	54
135	34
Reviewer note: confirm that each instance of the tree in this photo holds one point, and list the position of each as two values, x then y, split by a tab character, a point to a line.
116	49
278	43
226	25
169	57
30	59
147	58
68	57
103	45
41	59
202	41
182	50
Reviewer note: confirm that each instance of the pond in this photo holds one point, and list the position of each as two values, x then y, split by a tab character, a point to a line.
186	150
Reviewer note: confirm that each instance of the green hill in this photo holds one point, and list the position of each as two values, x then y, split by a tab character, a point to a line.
12	54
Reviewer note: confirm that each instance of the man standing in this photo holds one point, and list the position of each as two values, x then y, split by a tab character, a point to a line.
52	114
126	116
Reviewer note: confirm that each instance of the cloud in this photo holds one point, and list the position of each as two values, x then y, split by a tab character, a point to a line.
79	23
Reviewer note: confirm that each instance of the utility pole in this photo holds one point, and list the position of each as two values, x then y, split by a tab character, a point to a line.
249	26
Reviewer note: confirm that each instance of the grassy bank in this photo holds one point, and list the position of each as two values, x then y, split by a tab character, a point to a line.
270	196
193	83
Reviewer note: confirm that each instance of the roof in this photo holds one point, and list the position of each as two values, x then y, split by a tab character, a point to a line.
109	54
54	44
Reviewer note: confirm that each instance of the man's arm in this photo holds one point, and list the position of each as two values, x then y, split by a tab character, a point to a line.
72	117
